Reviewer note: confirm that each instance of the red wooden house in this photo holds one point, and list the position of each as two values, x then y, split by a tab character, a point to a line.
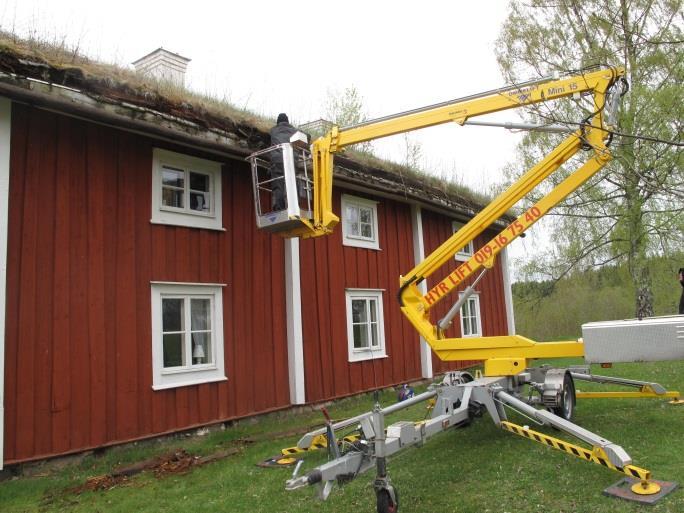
137	297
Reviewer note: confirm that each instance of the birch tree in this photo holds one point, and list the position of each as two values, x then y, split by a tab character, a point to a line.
346	108
635	207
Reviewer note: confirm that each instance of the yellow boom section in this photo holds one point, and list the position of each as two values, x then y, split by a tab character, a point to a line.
503	355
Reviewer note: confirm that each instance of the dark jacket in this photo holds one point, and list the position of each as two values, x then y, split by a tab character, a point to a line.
281	133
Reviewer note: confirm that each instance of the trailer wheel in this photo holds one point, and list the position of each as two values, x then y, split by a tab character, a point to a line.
385	503
566	408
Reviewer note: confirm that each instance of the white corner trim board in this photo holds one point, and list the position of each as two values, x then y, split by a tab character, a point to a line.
295	339
5	131
508	293
418	257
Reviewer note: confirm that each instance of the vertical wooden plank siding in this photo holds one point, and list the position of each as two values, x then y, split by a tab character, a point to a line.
436	229
327	269
81	255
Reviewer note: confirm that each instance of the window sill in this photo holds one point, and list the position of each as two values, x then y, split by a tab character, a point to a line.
354	243
367	355
189	382
463	258
187	225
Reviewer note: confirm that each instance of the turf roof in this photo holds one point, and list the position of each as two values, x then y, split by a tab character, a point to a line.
56	63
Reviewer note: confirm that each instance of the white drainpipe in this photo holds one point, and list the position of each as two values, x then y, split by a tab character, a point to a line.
295	339
418	257
508	294
5	131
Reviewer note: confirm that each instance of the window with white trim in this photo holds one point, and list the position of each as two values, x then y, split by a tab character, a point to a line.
360	222
365	324
471	325
187	334
467	251
186	191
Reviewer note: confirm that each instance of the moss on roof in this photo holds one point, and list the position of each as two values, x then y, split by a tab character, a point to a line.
56	63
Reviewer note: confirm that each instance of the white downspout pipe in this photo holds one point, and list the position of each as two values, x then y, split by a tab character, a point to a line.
508	293
5	131
418	257
295	339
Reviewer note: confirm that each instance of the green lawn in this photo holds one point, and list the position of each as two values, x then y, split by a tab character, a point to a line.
477	469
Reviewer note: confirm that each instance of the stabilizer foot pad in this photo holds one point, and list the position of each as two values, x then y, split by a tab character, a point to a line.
623	490
277	461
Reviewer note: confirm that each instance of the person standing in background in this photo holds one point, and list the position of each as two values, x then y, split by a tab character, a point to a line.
681	282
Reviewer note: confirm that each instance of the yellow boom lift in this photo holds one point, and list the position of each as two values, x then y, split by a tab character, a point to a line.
506	358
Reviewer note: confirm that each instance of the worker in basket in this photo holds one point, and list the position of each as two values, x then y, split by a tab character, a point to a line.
280	134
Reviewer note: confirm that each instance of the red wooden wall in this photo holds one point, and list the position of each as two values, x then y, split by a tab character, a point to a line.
327	269
436	229
81	255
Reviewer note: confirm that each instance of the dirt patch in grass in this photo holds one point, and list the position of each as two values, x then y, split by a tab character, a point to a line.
178	461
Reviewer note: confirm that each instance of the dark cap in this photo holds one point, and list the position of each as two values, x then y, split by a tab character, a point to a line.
282	118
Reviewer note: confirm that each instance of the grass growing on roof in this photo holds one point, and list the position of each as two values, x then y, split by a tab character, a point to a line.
475	469
56	54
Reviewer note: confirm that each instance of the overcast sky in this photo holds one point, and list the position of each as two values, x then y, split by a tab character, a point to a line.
281	56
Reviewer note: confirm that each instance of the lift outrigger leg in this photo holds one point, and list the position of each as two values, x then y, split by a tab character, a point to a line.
456	401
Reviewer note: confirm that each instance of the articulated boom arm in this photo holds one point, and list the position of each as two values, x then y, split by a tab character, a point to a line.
504	355
459	111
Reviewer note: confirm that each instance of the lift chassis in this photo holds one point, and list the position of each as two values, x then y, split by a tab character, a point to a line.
456	401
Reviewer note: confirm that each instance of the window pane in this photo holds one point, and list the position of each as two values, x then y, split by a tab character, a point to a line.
359	311
200	314
172	314
465	311
366	231
360	336
201	348
374	335
172	197
199	182
173	177
373	307
173	350
352	218
199	201
365	215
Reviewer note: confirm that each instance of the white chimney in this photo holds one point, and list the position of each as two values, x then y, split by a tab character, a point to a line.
163	65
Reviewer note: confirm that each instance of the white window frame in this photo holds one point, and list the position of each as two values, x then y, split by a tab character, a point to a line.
163	378
466	251
371	353
163	214
473	300
359	241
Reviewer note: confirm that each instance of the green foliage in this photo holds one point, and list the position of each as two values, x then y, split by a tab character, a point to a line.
634	208
548	310
346	108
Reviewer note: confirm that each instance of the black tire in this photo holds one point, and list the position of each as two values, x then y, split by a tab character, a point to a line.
384	502
566	408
